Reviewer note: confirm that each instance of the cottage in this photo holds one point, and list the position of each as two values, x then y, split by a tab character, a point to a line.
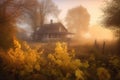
52	32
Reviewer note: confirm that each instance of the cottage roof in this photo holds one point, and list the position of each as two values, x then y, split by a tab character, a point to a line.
57	28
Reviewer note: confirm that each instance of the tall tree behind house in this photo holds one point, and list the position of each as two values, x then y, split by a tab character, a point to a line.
39	11
42	10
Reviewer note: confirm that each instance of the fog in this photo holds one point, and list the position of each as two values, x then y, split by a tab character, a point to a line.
78	22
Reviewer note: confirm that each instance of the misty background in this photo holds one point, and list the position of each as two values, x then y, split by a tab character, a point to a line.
77	20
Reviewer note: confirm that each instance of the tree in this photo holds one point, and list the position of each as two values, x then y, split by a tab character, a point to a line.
29	8
47	7
9	11
112	15
78	20
38	10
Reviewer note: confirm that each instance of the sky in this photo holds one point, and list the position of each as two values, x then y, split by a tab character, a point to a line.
94	8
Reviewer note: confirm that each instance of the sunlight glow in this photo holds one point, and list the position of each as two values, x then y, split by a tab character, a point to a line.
87	35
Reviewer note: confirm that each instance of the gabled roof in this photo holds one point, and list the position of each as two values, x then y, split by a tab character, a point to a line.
52	28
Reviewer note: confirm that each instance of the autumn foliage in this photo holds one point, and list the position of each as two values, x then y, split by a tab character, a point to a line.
19	61
26	63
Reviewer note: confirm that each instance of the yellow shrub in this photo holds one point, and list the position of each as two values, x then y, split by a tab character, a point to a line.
63	61
26	60
103	73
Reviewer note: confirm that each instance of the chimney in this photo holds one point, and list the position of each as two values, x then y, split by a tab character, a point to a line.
51	21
